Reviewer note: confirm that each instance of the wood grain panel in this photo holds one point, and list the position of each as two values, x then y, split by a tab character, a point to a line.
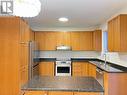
9	56
97	40
36	93
59	93
46	68
86	93
40	39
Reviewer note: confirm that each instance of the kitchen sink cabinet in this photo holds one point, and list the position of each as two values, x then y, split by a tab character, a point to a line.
79	69
117	35
82	40
59	93
86	93
91	70
97	40
36	93
46	68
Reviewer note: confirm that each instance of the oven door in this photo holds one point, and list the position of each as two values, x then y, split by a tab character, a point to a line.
63	69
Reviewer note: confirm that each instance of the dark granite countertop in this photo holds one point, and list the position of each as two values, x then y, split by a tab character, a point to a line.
110	67
83	84
107	67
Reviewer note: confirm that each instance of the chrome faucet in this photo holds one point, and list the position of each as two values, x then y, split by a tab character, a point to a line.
105	58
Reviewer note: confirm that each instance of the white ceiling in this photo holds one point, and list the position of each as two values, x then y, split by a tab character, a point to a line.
82	14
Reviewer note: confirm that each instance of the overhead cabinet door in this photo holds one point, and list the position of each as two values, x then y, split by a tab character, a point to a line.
82	40
117	34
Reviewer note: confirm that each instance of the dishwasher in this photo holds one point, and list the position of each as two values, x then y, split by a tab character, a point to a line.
100	76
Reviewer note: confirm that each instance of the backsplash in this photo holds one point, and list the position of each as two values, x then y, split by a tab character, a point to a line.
115	57
69	54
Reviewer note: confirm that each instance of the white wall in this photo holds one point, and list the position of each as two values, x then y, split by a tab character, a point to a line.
115	57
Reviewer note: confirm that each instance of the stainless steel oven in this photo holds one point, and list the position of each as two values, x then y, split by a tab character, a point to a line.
63	68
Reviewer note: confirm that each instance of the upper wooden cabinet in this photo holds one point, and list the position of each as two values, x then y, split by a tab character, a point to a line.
97	40
82	40
117	34
78	40
49	40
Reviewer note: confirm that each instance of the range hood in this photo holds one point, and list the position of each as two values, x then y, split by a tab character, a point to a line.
63	48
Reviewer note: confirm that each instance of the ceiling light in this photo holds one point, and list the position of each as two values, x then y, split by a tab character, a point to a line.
26	8
63	19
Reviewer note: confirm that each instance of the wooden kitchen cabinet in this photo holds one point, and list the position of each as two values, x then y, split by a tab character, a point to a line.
117	35
59	93
63	38
82	40
91	70
24	75
77	40
79	69
13	70
115	83
36	93
26	34
46	68
97	40
87	93
9	56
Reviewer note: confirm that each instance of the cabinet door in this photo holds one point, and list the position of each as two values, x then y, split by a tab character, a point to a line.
82	40
46	68
116	29
24	55
97	40
76	69
75	41
63	38
92	70
86	93
40	39
110	36
86	39
79	69
50	40
59	93
25	32
36	93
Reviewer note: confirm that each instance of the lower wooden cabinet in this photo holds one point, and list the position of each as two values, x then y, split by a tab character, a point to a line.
80	69
115	83
86	93
36	93
91	70
46	68
83	69
59	93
